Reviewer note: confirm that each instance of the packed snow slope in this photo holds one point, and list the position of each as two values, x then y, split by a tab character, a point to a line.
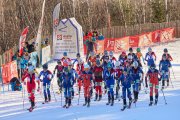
11	105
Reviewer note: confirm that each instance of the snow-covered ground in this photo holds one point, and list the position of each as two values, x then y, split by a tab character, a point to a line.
11	105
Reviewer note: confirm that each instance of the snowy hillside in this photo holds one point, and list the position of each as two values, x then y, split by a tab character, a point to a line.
11	105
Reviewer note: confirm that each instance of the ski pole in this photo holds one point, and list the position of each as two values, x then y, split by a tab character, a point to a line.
144	88
53	93
79	96
164	96
171	82
173	73
61	97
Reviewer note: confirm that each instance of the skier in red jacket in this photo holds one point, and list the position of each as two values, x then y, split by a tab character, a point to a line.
152	74
31	80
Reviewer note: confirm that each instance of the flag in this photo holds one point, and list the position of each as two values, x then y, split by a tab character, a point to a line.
55	24
38	39
22	40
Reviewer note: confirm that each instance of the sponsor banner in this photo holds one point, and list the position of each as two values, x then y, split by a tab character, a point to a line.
100	46
133	41
46	54
156	36
109	44
145	39
167	35
121	44
9	71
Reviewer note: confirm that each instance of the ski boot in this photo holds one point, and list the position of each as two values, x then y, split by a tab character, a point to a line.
108	100
88	102
112	102
151	101
66	102
85	102
100	97
130	101
96	97
156	99
124	105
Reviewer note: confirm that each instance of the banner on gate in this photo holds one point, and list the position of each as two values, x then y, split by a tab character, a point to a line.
167	35
145	40
134	41
109	44
121	44
9	71
100	46
156	36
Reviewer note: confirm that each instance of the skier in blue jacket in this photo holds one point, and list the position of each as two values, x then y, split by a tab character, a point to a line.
137	75
68	81
150	57
110	81
46	76
74	74
126	80
164	70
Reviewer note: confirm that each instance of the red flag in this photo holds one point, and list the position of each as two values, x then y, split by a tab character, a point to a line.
22	40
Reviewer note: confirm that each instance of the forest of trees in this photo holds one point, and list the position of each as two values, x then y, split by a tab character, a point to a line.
15	15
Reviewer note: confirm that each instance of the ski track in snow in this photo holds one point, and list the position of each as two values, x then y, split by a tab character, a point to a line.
11	103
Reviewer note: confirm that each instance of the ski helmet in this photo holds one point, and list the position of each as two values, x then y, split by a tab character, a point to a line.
165	50
117	63
29	63
111	53
86	66
97	56
130	50
106	53
45	66
65	54
153	66
66	70
109	65
92	53
149	49
125	70
30	68
59	62
138	50
78	55
124	53
135	64
98	62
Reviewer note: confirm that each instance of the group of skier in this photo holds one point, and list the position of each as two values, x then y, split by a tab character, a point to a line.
105	74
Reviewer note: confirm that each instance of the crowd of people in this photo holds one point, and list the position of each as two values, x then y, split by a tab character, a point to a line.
104	74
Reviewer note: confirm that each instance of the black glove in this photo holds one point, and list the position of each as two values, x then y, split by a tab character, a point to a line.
54	72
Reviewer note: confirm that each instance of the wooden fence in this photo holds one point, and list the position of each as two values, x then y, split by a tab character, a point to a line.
121	31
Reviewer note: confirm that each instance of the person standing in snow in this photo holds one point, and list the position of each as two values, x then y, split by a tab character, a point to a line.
59	69
168	56
87	78
31	78
65	60
126	80
98	77
68	80
46	76
164	70
140	56
150	57
118	73
137	75
110	82
79	70
152	74
112	59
